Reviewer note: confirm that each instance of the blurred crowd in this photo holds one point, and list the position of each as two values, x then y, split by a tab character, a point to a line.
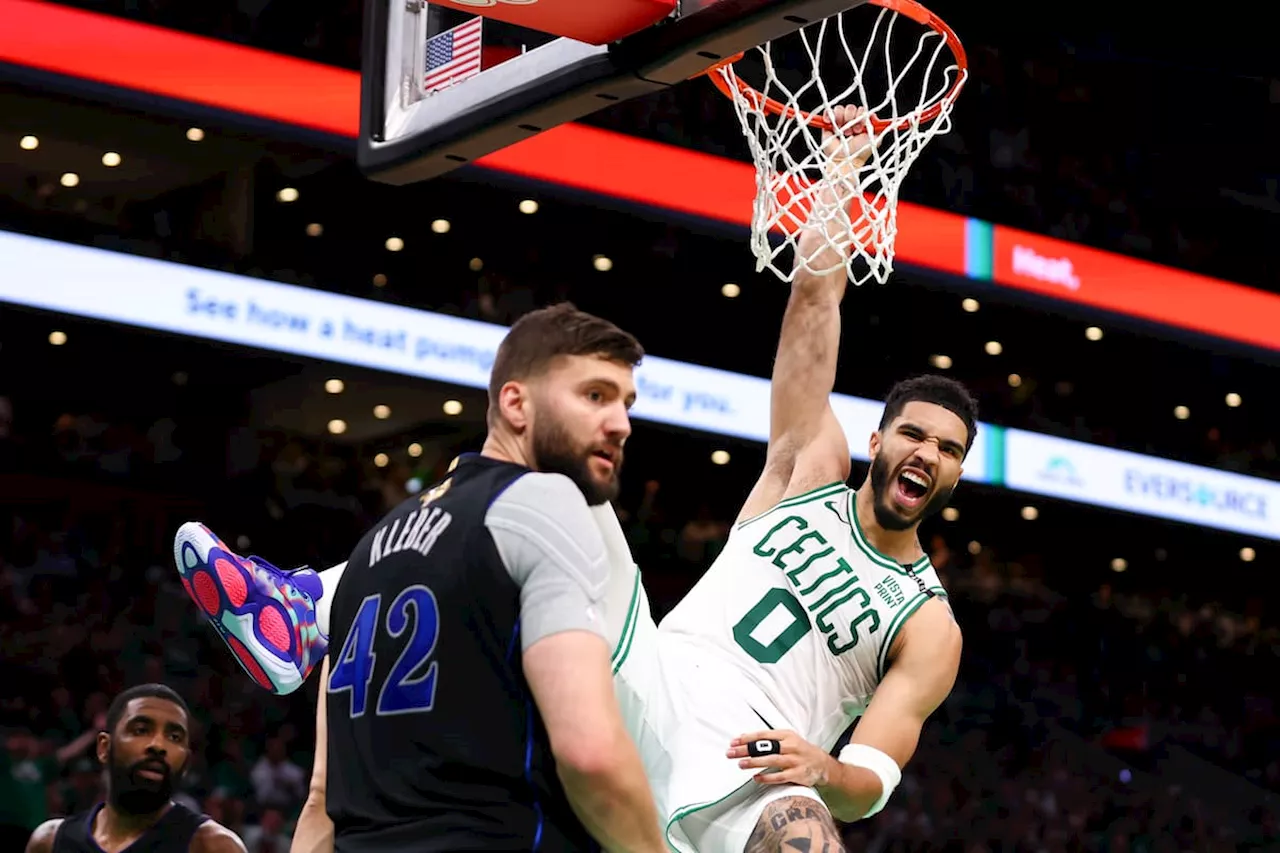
1058	738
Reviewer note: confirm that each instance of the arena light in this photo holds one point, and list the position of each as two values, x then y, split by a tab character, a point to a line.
337	426
394	244
287	195
441	226
1181	412
475	264
382	460
1234	400
974	548
993	347
1119	564
452	407
415	450
379	280
970	305
1015	381
942	362
57	338
334	386
1093	333
69	179
528	206
1030	513
111	159
195	134
720	457
1248	554
314	229
730	291
381	412
29	143
950	514
602	263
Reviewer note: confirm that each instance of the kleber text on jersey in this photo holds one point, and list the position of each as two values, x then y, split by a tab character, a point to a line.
418	531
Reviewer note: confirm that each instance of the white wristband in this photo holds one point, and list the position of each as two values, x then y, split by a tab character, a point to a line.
885	768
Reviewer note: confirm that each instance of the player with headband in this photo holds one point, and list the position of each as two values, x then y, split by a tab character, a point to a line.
822	608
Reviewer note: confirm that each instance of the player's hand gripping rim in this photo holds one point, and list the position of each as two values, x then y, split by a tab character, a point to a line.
788	760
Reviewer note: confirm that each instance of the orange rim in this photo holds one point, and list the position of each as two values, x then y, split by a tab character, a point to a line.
909	8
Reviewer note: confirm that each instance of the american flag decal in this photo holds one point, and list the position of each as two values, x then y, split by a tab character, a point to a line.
452	56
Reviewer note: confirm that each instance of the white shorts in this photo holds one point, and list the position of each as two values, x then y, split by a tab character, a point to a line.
682	709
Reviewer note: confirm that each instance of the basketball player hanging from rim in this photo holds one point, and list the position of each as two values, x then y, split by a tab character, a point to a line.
821	610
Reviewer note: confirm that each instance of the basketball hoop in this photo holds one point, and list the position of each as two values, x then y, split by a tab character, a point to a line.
788	105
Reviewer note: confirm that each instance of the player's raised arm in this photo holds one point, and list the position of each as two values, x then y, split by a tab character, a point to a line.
807	447
549	541
921	675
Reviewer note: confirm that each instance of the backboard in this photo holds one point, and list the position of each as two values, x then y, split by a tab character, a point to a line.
447	82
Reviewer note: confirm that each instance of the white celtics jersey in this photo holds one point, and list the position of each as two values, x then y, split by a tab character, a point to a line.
805	609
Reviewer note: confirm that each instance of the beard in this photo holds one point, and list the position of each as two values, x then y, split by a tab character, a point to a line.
555	453
886	515
133	794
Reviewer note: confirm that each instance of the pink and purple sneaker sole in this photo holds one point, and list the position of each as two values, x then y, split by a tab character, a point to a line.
265	616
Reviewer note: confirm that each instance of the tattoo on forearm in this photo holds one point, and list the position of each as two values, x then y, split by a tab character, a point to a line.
795	825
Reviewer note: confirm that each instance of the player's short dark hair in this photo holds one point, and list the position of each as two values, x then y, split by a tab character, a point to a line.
941	391
142	691
539	337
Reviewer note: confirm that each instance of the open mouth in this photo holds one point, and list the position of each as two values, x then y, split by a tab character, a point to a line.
913	487
607	456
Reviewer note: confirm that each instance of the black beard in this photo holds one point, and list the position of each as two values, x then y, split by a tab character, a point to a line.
553	452
132	795
886	516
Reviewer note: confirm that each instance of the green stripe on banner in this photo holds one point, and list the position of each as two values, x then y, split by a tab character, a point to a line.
995	454
979	249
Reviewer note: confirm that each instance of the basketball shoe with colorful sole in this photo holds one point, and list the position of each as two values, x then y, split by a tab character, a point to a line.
267	617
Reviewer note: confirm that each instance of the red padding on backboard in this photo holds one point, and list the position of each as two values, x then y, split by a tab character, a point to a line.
591	21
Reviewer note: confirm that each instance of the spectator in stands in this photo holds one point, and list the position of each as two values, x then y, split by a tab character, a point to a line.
27	768
278	783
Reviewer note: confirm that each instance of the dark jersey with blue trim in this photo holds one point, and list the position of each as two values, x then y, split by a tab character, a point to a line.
173	833
434	740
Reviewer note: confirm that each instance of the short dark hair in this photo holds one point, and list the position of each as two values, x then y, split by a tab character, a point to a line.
941	391
142	691
539	337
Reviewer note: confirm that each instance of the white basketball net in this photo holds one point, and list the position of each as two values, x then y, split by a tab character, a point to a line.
855	210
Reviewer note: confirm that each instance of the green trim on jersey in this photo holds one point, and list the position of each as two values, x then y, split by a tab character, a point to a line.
628	628
803	498
895	625
882	560
693	808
